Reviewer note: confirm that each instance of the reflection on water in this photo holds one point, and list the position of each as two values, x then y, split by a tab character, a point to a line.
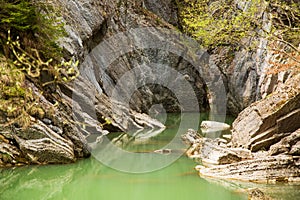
151	140
88	179
277	191
129	152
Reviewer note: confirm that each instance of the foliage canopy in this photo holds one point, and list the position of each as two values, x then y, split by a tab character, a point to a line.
227	23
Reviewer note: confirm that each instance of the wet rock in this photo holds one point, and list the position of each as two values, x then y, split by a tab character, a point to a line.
211	152
257	194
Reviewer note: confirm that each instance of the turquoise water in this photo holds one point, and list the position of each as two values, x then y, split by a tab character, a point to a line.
89	179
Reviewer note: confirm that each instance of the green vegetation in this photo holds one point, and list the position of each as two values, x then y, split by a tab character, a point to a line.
216	23
24	19
28	54
13	92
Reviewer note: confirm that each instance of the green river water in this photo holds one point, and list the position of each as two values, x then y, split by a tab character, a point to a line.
89	179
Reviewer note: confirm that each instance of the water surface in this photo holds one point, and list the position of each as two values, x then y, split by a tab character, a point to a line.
89	179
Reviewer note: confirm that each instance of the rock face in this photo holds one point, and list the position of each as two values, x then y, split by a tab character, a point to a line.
88	24
266	122
166	9
243	70
264	145
80	109
52	139
219	160
85	107
89	32
245	74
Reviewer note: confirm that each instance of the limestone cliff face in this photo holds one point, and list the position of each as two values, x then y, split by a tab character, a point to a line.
89	24
266	122
165	9
85	105
61	136
244	71
265	143
98	23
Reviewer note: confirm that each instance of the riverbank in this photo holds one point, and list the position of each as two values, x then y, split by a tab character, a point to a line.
264	146
69	113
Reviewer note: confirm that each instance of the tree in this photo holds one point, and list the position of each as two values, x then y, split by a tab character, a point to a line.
218	23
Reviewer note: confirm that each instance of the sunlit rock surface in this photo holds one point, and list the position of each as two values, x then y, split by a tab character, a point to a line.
267	121
264	145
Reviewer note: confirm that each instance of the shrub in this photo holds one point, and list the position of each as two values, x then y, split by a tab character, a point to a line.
217	23
29	51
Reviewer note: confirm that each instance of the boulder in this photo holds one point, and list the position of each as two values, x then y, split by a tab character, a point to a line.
213	127
212	152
